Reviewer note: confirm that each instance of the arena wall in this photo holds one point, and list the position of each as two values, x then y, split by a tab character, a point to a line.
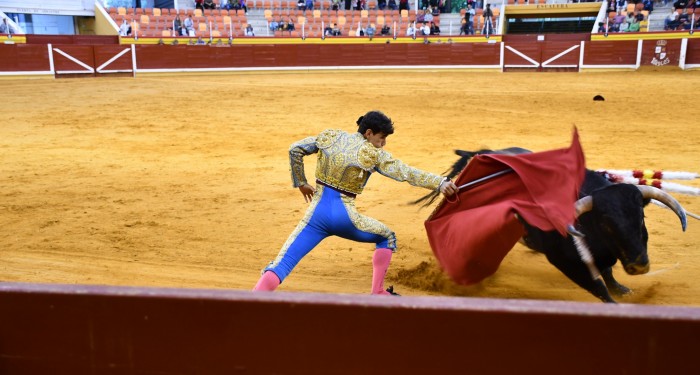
81	329
86	55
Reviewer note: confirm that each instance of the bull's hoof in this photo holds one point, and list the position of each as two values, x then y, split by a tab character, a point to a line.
619	290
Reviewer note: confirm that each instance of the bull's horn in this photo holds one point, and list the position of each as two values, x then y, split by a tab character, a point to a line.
650	192
583	205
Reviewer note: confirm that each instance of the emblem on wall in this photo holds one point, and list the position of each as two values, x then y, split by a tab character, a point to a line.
660	56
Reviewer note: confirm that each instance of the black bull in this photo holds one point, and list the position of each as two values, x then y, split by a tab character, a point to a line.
610	216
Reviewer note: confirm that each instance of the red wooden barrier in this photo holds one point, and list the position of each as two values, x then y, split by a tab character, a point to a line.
77	329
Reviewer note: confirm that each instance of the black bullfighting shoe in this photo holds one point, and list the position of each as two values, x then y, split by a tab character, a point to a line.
390	290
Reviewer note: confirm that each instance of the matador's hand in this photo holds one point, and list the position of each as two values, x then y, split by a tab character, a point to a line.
448	188
307	191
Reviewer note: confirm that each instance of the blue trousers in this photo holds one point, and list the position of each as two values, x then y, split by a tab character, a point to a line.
330	213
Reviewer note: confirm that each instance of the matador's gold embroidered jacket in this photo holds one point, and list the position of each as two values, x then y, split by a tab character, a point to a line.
345	162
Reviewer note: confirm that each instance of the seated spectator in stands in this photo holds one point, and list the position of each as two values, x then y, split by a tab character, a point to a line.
310	4
242	4
336	30
420	17
189	26
328	31
392	5
199	4
381	4
411	30
335	5
370	30
361	5
290	24
684	20
209	4
425	29
177	25
623	26
648	5
124	28
274	25
619	19
403	4
359	31
428	17
434	29
249	30
301	4
672	22
621	5
282	25
633	26
386	30
226	4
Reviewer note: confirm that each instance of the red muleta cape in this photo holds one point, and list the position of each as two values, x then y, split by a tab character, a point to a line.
470	235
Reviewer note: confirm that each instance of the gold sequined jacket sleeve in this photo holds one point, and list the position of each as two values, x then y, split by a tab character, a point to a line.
399	171
297	151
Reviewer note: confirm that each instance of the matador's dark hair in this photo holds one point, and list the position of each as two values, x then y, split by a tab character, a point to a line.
376	121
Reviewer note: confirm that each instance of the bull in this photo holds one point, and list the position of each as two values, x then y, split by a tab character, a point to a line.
610	222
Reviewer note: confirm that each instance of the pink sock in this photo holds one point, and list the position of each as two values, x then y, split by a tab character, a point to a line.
380	263
268	282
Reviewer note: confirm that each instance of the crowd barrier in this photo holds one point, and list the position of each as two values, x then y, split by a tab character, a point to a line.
571	52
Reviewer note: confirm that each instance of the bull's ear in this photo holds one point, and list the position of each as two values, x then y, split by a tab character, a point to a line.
645	202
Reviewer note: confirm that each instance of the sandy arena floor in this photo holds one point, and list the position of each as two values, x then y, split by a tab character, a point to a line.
184	182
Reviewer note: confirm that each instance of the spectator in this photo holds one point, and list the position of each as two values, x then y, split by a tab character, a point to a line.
328	31
249	30
648	5
428	17
633	26
189	26
124	28
434	29
488	20
310	4
290	25
301	5
361	4
621	5
425	29
227	4
370	31
335	5
177	25
420	18
684	20
274	25
336	30
242	5
386	30
359	31
199	4
208	4
381	4
672	21
403	4
411	30
392	5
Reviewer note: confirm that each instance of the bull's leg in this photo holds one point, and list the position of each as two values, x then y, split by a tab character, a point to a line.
612	284
576	270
